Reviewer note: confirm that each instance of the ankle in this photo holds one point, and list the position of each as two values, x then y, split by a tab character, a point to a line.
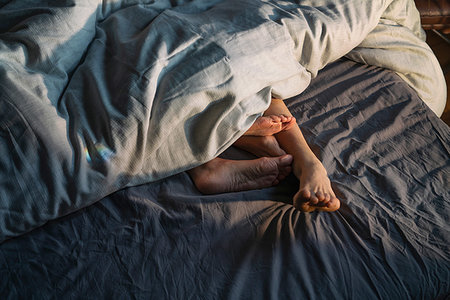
306	165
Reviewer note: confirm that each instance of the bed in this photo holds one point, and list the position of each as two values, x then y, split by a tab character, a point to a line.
104	106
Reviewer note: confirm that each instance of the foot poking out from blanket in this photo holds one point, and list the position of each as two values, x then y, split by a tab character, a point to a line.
223	175
270	125
315	191
279	142
260	139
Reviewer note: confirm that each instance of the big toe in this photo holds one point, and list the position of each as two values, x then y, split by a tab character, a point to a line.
285	160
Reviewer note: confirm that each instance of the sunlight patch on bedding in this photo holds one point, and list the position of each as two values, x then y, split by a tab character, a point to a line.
98	153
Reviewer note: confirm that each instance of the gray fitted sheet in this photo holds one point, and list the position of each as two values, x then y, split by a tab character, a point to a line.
387	156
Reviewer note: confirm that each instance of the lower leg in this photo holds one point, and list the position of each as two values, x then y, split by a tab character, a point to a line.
315	190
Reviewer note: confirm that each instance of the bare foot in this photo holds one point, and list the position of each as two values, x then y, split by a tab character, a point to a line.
260	146
270	125
315	191
222	175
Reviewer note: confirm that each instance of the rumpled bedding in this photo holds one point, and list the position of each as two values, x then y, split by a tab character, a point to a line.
97	96
387	155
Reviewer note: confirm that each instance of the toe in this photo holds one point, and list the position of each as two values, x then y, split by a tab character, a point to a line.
320	196
276	119
285	160
306	208
305	196
314	200
284	172
333	205
284	118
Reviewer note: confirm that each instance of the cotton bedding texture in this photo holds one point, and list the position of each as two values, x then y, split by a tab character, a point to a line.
116	99
387	156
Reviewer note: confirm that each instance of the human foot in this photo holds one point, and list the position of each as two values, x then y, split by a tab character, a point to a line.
315	192
261	146
222	175
270	125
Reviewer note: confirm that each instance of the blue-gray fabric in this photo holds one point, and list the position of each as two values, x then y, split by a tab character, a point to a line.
100	95
387	155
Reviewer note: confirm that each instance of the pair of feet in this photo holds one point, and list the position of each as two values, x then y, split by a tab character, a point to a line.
222	175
